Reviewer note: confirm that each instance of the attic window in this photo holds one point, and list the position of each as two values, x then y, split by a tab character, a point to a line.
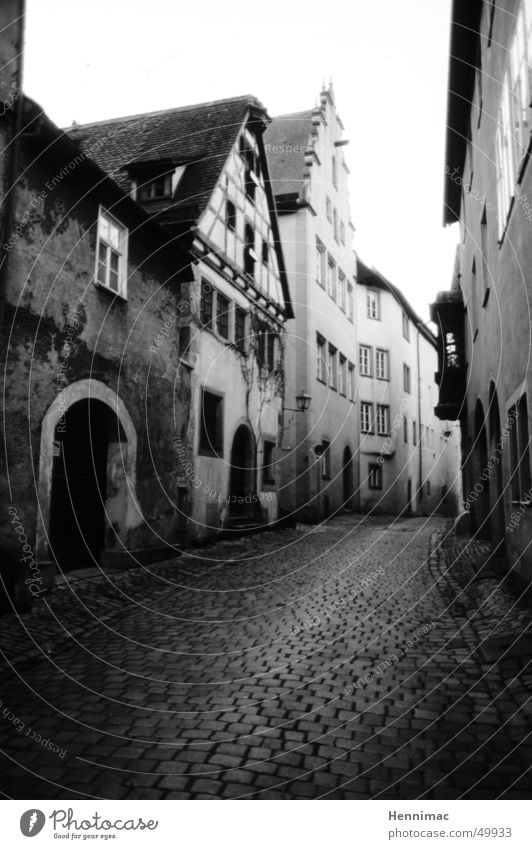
251	168
160	187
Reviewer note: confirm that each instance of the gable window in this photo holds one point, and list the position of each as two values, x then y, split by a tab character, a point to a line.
211	424
332	367
111	254
250	168
366	417
342	232
406	327
230	215
381	364
207	304
328	209
322	364
372	304
249	250
334	172
405	429
406	378
351	381
374	476
268	475
365	360
335	224
222	315
240	328
519	451
321	260
383	420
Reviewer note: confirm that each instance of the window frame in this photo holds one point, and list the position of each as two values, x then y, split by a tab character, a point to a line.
384	362
383	420
365	367
374	476
367	422
121	252
208	447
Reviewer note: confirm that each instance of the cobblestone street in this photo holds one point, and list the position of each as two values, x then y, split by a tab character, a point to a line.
364	658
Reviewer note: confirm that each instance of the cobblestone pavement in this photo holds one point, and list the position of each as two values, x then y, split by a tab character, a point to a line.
365	658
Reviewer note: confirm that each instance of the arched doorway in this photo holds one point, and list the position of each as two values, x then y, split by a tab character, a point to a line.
498	522
82	442
480	484
87	475
347	479
242	488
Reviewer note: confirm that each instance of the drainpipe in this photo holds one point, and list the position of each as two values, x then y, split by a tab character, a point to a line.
13	170
420	441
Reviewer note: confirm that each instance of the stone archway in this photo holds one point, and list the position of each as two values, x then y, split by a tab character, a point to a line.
348	486
242	476
480	483
497	519
88	449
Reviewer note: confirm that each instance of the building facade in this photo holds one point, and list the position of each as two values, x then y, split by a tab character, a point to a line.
484	320
201	173
319	468
91	284
409	459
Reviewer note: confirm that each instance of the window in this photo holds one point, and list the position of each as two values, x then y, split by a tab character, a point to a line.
383	420
266	347
406	378
334	172
372	304
268	475
484	257
321	260
350	311
207	303
405	429
342	376
328	209
332	367
160	187
249	250
414	433
341	289
265	253
111	254
365	360
335	225
184	341
366	417
331	278
250	168
519	451
381	364
374	476
351	381
406	327
211	424
428	487
342	232
222	316
326	460
322	365
230	215
240	328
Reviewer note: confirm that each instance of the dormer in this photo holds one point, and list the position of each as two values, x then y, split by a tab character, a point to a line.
154	180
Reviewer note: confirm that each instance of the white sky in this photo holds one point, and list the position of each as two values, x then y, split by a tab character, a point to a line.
87	61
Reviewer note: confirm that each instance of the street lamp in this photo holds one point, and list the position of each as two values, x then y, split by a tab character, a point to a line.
303	403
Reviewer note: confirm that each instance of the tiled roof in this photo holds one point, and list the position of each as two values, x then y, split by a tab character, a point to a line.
200	136
286	140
